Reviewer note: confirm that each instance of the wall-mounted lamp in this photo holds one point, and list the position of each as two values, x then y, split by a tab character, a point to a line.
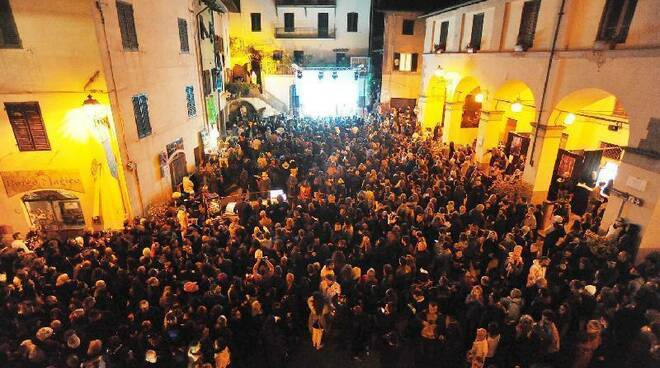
479	98
439	72
517	106
93	108
569	119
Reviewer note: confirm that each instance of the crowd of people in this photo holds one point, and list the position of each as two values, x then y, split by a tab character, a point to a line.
387	245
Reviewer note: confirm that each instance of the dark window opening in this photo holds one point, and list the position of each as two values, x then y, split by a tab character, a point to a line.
352	22
299	57
183	35
477	30
141	111
289	25
444	32
255	19
408	27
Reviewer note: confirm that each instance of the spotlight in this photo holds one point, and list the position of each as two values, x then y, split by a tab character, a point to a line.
439	72
299	73
517	106
320	75
335	75
569	119
479	98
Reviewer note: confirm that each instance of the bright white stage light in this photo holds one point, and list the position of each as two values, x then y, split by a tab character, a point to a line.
607	172
328	96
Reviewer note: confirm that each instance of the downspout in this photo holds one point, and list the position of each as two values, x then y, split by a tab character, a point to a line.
200	64
547	79
115	97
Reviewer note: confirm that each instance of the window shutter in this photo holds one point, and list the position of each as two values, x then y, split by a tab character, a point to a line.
28	126
141	111
397	61
190	101
352	22
629	11
477	29
413	63
183	35
8	32
127	25
528	22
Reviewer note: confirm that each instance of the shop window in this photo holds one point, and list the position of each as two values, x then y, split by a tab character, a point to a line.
183	35
127	26
615	21
408	27
141	111
405	62
530	14
28	126
53	210
352	22
255	20
8	32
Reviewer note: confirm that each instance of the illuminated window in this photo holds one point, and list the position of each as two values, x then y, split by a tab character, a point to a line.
141	111
255	19
405	62
183	35
28	126
615	21
127	26
8	32
408	27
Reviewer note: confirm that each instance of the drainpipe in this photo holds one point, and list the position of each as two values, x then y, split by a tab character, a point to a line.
547	79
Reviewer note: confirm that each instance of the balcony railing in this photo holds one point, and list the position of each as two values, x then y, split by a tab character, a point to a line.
304	32
306	2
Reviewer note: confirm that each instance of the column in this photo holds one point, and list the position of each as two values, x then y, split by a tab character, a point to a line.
544	154
451	131
491	124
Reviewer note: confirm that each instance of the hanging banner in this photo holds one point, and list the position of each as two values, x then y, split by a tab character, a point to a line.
28	180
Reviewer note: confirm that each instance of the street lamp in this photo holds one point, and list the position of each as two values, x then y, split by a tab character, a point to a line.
569	119
439	72
93	108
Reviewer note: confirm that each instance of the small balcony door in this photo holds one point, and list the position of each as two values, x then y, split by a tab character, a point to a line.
323	25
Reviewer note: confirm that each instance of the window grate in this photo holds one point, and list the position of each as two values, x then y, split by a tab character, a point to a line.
8	32
183	35
190	101
127	26
528	20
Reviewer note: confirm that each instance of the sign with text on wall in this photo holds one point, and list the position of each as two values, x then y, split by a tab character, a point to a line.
28	180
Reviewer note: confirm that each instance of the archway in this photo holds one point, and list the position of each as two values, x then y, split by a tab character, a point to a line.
506	121
434	104
462	112
581	146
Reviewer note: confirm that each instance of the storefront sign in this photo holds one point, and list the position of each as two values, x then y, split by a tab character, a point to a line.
28	180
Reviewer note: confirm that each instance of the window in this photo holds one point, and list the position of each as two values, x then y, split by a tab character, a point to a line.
28	126
530	14
278	55
477	30
288	22
8	32
190	101
352	22
342	60
299	57
141	111
405	62
408	27
444	32
616	19
127	26
323	25
256	22
183	35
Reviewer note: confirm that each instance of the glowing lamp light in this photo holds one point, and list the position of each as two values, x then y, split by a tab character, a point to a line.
479	98
93	108
516	106
569	118
439	72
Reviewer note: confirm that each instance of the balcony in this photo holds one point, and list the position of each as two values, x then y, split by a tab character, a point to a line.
304	32
306	2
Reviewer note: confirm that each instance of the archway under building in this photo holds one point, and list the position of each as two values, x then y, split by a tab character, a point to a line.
462	112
